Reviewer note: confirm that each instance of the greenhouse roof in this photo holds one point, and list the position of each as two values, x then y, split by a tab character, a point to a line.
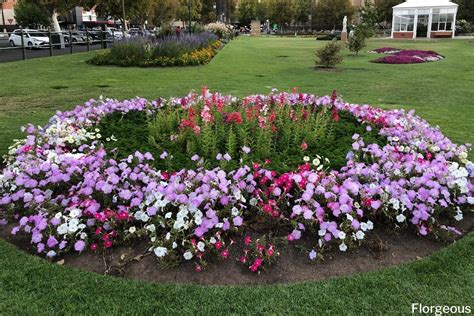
425	3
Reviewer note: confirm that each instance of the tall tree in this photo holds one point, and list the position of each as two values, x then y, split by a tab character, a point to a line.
466	10
385	11
164	12
208	11
247	11
301	11
135	10
29	13
282	12
57	7
183	10
328	14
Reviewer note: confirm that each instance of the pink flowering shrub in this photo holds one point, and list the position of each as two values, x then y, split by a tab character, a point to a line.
67	193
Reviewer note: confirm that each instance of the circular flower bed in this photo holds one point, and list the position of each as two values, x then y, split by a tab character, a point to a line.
400	56
70	191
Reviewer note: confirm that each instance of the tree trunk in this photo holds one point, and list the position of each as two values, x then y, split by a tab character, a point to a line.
57	28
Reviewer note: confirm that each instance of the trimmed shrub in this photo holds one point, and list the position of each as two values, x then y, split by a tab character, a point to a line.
328	56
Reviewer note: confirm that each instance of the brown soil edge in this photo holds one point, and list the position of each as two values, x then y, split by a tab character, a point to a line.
383	248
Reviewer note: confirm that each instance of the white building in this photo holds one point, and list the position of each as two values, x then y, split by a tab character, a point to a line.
424	19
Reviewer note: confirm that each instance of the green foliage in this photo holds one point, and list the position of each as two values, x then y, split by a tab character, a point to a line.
29	14
384	9
301	11
463	27
280	141
465	10
357	38
282	12
329	55
369	14
328	14
143	53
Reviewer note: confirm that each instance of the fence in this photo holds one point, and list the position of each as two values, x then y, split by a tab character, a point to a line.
23	44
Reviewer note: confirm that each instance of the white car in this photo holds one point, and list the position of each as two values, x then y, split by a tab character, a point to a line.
31	38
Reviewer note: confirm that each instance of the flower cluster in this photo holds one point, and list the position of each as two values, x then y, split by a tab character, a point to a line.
385	50
399	56
69	194
222	30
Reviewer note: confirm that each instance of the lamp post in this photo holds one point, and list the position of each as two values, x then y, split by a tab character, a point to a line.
189	7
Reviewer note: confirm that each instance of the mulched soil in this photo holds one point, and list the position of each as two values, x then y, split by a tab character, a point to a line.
383	248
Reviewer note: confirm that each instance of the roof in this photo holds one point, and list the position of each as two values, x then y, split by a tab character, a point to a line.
425	3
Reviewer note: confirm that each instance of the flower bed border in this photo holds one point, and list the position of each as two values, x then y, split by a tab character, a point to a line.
338	206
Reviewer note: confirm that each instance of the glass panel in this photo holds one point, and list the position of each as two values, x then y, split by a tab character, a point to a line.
434	26
450	17
404	28
442	26
442	17
410	27
435	18
449	26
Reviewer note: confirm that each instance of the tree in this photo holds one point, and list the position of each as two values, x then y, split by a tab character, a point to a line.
247	11
328	14
301	11
57	7
208	12
183	10
328	56
385	11
29	14
357	38
137	11
283	12
465	10
165	12
369	14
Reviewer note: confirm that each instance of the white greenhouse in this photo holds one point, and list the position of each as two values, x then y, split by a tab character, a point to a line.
424	19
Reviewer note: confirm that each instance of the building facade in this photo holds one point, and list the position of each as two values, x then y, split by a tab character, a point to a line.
7	18
424	19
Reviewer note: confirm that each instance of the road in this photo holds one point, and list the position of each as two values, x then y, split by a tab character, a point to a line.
8	54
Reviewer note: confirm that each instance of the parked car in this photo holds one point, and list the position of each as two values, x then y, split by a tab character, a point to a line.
31	38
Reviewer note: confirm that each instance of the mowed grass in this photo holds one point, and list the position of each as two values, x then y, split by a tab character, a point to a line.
441	92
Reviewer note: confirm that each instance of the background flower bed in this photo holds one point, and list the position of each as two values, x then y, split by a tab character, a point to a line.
400	56
68	193
182	50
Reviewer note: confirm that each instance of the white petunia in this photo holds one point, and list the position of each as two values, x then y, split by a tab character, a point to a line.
370	225
360	235
212	240
200	246
306	158
341	235
322	232
160	252
342	247
235	211
132	230
187	255
401	218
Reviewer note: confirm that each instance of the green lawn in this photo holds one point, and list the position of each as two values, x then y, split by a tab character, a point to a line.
441	92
